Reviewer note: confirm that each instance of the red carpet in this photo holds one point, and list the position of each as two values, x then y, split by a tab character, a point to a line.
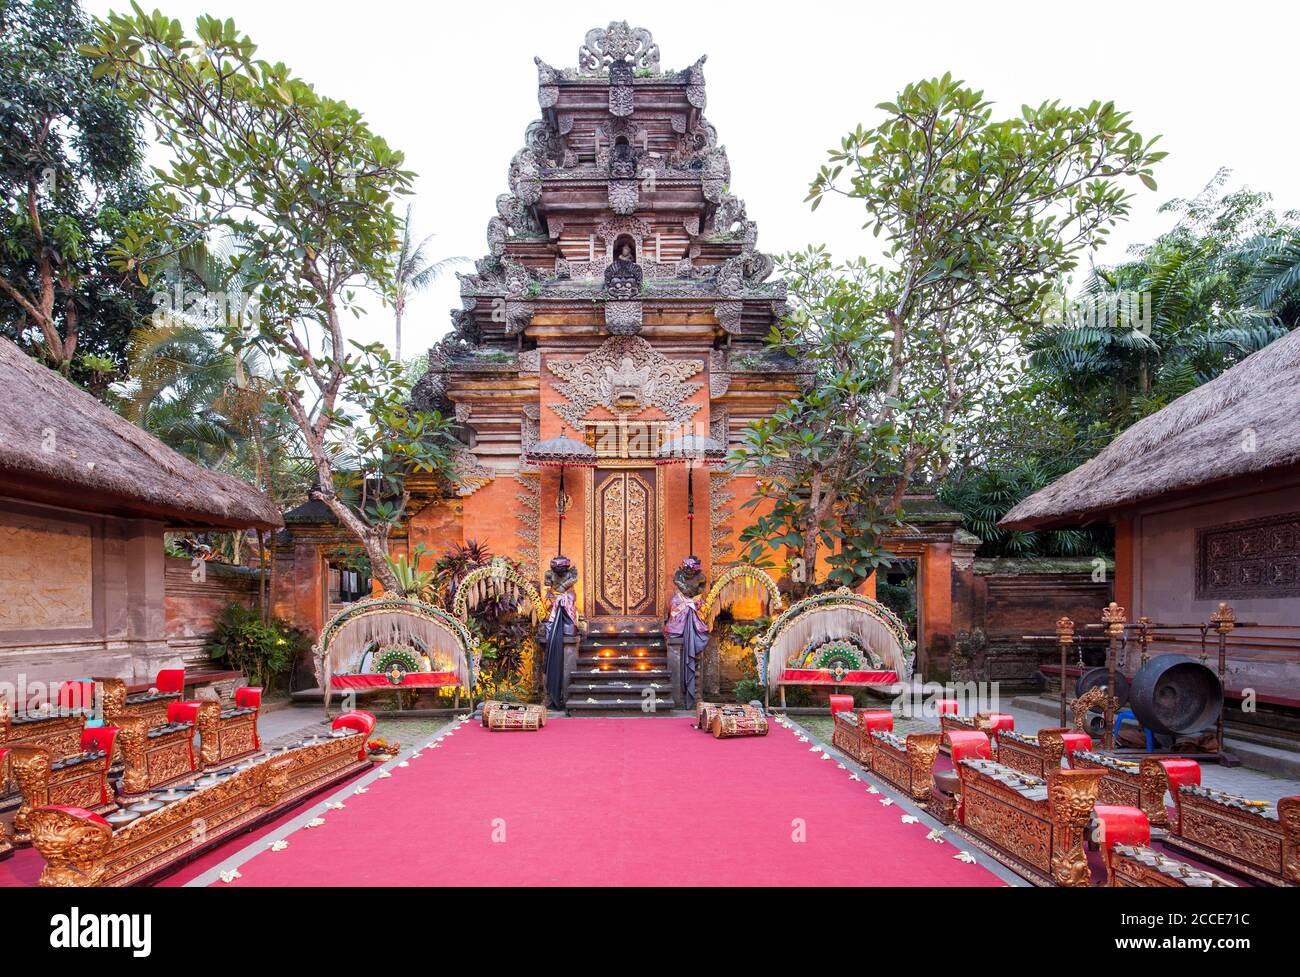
614	802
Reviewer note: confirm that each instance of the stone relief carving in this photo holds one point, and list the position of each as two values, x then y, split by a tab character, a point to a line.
618	42
517	216
719	374
622	97
695	83
624	196
518	317
546	145
60	594
530	426
720	426
720	516
729	314
1253	558
468	473
528	518
744	271
548	89
525	177
717	174
588	383
623	318
729	213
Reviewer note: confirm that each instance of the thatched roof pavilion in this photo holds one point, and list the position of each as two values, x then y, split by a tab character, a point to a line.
1245	422
1204	497
61	446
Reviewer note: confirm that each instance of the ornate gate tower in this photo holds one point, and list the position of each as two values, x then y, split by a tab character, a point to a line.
623	304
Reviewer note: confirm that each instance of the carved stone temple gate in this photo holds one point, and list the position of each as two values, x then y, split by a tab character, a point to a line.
622	303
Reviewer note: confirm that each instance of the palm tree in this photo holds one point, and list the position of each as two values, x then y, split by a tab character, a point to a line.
211	405
414	272
1216	283
1275	284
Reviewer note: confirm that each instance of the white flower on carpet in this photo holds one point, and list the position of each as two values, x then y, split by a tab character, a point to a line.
384	775
314	823
841	766
280	845
888	802
826	756
435	746
854	776
935	835
965	856
872	790
415	756
335	806
361	790
813	749
230	876
403	764
908	819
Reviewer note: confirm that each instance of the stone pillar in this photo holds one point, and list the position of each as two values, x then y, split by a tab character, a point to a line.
936	623
145	614
298	591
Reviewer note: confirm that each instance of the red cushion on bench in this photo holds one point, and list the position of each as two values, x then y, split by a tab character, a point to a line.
839	703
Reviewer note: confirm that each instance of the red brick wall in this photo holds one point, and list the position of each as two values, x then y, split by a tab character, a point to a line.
191	605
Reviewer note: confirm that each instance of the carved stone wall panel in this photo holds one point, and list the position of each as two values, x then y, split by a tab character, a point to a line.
625	363
623	318
623	196
46	574
621	101
1252	558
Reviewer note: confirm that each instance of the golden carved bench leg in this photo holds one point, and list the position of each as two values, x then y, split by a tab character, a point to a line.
922	751
1071	795
133	735
1153	784
31	770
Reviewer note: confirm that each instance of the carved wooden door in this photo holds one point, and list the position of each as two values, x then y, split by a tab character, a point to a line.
625	541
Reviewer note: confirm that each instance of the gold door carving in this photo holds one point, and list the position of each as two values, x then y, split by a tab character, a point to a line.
624	533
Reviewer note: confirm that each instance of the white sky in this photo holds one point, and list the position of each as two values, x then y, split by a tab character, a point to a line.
453	86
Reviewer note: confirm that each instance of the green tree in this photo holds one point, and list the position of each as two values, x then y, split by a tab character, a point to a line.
1186	307
69	179
979	217
306	187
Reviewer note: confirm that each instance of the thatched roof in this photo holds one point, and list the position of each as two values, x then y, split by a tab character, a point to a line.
1204	437
60	445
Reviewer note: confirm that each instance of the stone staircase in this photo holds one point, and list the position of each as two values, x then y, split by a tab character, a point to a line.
619	669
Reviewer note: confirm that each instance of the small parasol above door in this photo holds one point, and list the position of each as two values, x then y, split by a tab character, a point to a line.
691	448
562	452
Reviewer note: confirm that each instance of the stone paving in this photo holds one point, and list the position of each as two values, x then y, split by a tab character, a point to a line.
289	724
